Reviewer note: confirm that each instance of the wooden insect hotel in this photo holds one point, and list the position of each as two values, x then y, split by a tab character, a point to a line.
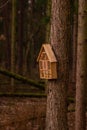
47	62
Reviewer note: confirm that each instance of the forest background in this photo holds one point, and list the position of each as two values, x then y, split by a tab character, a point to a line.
24	27
22	32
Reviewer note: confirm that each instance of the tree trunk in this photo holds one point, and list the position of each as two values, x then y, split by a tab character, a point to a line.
74	48
48	14
20	18
7	29
81	74
56	118
74	40
13	39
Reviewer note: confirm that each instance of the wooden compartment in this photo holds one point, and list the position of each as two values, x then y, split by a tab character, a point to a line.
47	62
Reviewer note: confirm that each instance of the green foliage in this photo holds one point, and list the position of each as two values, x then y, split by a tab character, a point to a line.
74	6
39	3
45	20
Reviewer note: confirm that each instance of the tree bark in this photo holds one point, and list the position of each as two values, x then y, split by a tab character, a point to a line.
81	74
56	118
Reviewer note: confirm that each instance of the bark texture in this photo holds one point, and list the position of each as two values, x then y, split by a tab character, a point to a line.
56	118
81	75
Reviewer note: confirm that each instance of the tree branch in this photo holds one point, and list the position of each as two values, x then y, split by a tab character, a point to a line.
22	79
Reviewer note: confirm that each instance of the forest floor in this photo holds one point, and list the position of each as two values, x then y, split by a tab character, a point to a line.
25	113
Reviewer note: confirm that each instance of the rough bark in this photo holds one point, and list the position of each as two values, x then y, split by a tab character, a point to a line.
56	118
81	74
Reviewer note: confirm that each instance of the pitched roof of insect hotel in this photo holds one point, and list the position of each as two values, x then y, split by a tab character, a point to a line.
48	50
